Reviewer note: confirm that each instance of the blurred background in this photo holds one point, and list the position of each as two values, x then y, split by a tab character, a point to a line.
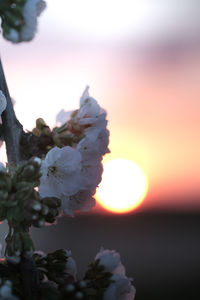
141	60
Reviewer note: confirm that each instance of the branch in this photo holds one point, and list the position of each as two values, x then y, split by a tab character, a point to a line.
12	129
12	132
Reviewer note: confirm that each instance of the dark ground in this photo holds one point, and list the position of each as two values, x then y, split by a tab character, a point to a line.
160	250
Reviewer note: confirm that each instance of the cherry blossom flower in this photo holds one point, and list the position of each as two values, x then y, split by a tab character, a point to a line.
90	122
63	116
82	201
121	287
63	177
60	173
87	118
94	145
90	112
110	259
70	268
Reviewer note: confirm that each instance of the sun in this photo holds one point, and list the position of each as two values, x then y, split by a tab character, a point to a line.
123	186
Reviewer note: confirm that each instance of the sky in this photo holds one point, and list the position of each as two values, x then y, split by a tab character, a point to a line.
141	60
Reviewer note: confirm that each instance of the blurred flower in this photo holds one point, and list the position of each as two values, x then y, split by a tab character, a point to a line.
110	259
6	291
31	10
71	268
121	287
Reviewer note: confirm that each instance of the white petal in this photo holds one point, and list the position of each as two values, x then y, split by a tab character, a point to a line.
63	116
85	95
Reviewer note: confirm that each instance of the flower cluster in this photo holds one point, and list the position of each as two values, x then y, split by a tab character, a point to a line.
120	286
58	267
72	173
59	167
19	19
106	279
22	207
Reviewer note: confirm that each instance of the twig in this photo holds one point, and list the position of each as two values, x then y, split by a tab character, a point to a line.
12	129
12	132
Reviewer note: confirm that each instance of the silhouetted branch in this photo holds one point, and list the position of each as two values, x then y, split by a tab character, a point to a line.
12	129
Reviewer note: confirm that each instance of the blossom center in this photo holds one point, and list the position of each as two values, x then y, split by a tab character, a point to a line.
52	170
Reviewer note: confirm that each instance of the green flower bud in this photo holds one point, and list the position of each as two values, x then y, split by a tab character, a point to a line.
36	206
45	210
35	217
40	123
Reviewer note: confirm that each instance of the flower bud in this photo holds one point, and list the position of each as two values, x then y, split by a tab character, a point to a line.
36	206
37	160
40	223
40	123
13	259
36	131
34	217
45	210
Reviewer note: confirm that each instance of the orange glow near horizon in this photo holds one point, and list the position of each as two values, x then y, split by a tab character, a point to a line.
151	93
123	187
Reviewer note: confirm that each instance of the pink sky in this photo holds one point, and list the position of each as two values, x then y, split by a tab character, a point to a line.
153	104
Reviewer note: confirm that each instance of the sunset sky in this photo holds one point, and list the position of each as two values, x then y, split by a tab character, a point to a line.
142	63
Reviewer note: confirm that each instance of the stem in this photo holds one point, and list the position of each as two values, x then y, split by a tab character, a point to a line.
12	132
30	278
12	129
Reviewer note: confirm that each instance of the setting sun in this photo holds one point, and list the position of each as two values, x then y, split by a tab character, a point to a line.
123	187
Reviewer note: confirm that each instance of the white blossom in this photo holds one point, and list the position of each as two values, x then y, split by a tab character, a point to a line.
3	102
110	259
71	268
32	9
121	288
63	177
60	173
94	145
91	174
90	112
82	201
76	189
88	117
63	116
